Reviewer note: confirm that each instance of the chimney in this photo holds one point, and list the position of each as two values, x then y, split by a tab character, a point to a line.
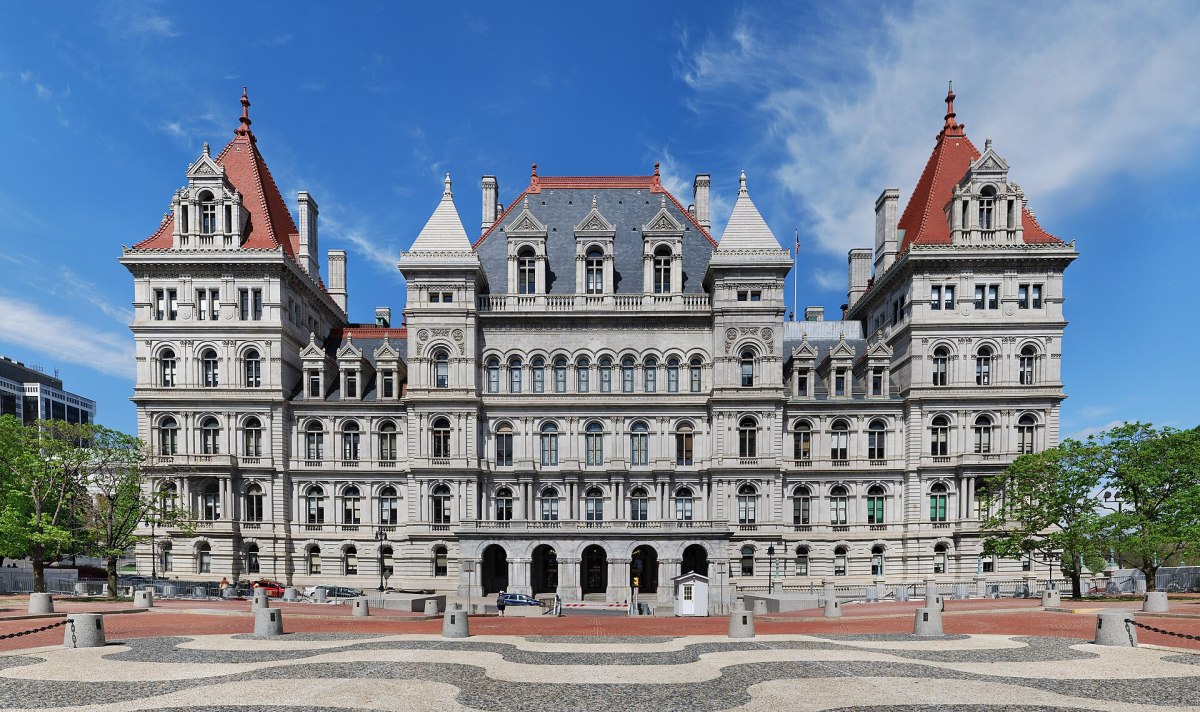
337	278
814	313
383	317
308	236
700	188
885	229
491	208
860	272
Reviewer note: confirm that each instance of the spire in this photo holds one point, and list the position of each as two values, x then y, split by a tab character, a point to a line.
952	127
244	128
742	185
444	232
447	192
206	148
746	229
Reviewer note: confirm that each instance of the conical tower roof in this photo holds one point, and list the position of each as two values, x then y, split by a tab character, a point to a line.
746	229
444	232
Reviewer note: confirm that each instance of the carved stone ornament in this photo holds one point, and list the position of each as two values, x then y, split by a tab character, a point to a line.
731	334
767	335
423	335
458	334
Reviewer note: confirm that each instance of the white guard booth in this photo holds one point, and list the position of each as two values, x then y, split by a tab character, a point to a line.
691	594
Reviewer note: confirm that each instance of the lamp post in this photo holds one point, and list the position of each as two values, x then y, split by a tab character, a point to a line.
721	584
153	553
771	569
1110	497
381	538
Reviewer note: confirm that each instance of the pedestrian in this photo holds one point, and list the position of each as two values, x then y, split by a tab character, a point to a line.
500	603
224	585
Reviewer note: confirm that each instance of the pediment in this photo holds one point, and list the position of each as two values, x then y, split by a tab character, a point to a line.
989	162
349	350
525	224
312	350
386	352
841	350
205	167
663	223
594	223
879	347
804	350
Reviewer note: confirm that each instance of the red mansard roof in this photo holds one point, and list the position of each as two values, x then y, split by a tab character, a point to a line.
924	218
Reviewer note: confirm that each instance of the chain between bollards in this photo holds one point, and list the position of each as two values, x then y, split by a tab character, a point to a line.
1152	629
52	626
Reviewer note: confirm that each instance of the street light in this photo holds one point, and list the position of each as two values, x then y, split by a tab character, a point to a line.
381	538
721	585
771	569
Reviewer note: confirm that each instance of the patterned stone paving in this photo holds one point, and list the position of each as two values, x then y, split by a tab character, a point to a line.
323	671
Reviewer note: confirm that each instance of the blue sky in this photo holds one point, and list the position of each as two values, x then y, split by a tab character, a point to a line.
1096	107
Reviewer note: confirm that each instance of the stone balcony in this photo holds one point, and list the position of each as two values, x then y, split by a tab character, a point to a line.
593	303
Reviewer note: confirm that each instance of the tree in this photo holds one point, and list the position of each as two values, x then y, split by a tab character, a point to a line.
1155	475
1047	503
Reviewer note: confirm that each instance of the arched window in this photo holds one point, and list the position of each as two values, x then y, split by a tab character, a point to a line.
203	558
593	505
210	437
1026	433
351	506
210	502
253	565
439	501
802	506
987	206
1028	360
939	559
983	434
583	369
840	555
875	497
877	440
549	444
504	504
388	561
493	375
685	445
662	270
168	436
526	271
695	374
441	561
314	442
314	505
606	375
252	437
209	372
639	504
983	366
747	560
837	506
350	441
208	214
549	505
802	560
538	371
672	375
389	506
314	561
937	502
441	369
747	498
877	560
639	444
839	440
387	442
560	375
350	561
166	368
802	441
441	437
748	438
941	358
593	444
747	368
650	375
939	436
165	559
683	504
627	375
514	375
253	369
594	271
168	496
504	445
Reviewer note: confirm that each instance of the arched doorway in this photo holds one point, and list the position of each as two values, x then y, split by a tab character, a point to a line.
494	571
594	570
545	570
643	565
695	560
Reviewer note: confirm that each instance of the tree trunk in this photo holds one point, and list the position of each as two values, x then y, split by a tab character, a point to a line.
112	578
39	568
1150	571
1075	587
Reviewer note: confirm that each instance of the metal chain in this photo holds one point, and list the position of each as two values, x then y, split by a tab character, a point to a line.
39	630
74	643
1152	629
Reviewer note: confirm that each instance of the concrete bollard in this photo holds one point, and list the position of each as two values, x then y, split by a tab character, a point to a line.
431	607
40	604
81	589
931	591
901	593
828	592
833	609
1051	599
143	599
741	624
168	591
319	596
268	622
291	594
1113	628
84	630
928	621
359	608
454	625
760	606
260	594
199	592
259	603
1155	602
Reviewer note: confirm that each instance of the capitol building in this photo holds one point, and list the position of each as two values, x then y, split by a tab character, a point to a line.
590	387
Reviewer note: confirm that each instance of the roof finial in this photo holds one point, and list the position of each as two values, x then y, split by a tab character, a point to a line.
951	127
662	200
656	168
206	148
593	201
987	143
447	191
244	128
525	205
742	184
533	171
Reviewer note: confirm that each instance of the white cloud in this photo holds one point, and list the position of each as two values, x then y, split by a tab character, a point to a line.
678	179
829	279
1072	93
65	339
1083	433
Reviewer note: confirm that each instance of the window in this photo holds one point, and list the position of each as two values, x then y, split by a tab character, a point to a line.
387	442
350	441
875	505
208	304
694	374
504	445
164	556
314	505
441	370
250	304
252	437
1029	296
441	562
314	383
582	370
683	504
166	305
839	561
441	438
987	204
935	297
256	304
203	559
802	561
1035	296
747	498
594	271
593	504
948	294
1026	431
939	559
526	271
314	442
351	506
839	382
802	383
839	441
983	434
662	270
837	506
748	438
650	375
877	440
983	366
747	560
802	442
993	299
987	564
939	436
747	368
606	375
560	375
684	445
593	444
209	371
549	443
877	560
1028	359
639	505
627	375
168	436
253	370
208	214
514	376
314	561
166	368
877	381
387	378
439	502
350	561
937	502
504	504
538	369
253	565
210	437
389	563
389	506
802	506
210	502
493	375
940	359
549	505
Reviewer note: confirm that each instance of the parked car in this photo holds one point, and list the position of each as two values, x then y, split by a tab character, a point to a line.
518	599
274	589
333	591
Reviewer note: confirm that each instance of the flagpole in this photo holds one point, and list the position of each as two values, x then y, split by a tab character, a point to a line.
796	278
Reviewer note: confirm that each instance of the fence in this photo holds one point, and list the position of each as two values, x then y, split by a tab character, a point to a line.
1178	579
21	580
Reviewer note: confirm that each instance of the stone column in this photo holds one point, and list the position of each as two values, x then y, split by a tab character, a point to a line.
568	580
618	580
519	580
666	571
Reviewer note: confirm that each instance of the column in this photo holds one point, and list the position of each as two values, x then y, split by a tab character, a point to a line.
519	580
568	580
618	581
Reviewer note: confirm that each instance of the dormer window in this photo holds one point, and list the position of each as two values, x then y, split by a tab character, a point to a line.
662	270
208	214
987	206
352	384
839	382
314	383
388	383
877	377
594	271
526	271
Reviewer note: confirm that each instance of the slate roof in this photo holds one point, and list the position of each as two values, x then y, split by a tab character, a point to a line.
367	338
823	336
